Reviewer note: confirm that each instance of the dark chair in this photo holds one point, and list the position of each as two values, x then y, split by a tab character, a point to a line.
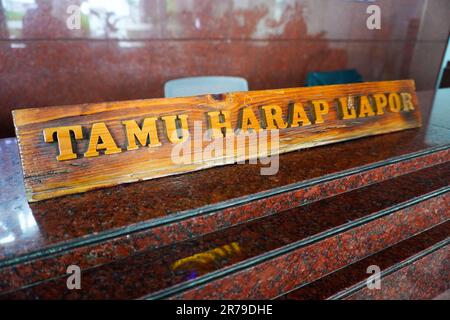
445	80
333	77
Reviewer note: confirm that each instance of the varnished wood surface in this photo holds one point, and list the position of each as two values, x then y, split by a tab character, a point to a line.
46	177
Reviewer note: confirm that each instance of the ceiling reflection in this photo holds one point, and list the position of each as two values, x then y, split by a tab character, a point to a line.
257	19
106	19
18	226
438	129
6	236
48	19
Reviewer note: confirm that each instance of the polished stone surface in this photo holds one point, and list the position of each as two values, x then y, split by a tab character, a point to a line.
423	280
394	262
324	235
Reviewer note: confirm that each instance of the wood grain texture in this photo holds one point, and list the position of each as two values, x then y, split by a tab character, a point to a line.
46	177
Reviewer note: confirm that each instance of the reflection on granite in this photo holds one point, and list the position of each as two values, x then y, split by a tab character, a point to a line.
17	222
11	182
260	19
283	273
153	270
207	261
439	118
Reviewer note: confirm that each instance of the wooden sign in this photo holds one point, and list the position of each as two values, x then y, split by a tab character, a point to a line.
72	149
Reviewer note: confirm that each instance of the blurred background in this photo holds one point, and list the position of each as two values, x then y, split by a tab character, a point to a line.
128	49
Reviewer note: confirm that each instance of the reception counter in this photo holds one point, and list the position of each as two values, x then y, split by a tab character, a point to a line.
308	232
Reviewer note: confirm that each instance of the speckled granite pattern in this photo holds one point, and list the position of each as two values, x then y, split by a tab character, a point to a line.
424	279
393	262
371	217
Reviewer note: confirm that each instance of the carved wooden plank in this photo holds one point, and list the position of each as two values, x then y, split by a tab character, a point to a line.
72	149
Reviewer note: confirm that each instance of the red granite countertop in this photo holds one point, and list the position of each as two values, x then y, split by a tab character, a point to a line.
26	228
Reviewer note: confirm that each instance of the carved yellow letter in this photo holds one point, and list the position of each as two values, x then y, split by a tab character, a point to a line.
249	120
64	140
394	102
273	117
407	101
171	128
148	132
321	108
298	115
99	131
380	102
365	109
